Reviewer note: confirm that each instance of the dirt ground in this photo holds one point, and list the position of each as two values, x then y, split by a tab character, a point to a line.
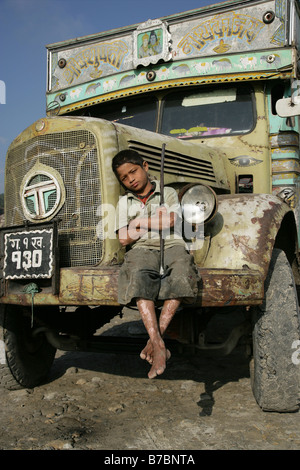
106	402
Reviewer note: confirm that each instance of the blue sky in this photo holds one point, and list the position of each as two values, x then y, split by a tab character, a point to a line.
27	26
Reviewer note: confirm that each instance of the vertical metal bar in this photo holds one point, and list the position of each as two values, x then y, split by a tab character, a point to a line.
162	201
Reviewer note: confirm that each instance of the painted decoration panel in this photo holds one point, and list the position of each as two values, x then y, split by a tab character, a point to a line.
233	41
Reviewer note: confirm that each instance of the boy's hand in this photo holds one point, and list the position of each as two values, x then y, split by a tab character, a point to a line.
135	230
161	210
128	235
162	219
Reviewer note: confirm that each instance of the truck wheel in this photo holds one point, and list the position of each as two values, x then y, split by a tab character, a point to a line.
275	376
28	358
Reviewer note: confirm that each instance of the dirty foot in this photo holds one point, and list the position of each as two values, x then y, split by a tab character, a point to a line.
160	356
147	353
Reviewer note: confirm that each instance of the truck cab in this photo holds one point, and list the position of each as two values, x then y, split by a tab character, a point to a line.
215	89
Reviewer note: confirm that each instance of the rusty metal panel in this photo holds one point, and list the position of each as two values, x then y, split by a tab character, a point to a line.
243	232
218	287
89	287
225	287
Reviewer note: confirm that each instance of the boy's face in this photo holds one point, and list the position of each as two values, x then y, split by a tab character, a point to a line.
134	177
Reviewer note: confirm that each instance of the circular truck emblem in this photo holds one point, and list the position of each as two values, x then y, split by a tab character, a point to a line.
41	194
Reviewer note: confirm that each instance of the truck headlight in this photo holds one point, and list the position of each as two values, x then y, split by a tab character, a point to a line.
198	202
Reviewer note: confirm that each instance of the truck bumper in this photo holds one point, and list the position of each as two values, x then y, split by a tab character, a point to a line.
99	286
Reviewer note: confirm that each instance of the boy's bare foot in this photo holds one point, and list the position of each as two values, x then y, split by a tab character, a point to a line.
159	359
147	353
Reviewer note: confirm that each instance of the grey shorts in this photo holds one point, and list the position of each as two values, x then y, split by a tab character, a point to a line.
139	275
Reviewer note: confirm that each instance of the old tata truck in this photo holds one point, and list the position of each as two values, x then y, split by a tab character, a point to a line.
215	91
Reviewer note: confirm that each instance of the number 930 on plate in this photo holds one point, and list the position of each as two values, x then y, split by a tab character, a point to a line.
28	254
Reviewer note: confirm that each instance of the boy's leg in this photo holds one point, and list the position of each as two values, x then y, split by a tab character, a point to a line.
139	276
168	311
182	278
155	351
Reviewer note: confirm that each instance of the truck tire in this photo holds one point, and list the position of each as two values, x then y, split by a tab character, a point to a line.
275	378
28	358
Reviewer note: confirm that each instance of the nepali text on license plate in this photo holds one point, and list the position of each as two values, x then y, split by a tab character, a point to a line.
28	254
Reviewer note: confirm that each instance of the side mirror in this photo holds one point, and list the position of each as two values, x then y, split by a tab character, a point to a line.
286	108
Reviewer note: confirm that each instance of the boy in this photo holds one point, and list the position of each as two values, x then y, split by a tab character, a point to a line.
138	223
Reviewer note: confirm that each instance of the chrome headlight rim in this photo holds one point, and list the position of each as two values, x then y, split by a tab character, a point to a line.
186	188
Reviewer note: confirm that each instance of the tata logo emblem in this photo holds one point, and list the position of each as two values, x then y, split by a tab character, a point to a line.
41	194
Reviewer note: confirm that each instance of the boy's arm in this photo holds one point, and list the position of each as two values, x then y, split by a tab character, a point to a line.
128	235
162	220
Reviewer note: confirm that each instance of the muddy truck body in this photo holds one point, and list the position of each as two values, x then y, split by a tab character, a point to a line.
218	89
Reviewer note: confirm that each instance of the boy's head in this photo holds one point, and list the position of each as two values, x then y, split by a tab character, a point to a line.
126	156
131	170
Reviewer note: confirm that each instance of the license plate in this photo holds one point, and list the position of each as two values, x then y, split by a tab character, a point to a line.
28	254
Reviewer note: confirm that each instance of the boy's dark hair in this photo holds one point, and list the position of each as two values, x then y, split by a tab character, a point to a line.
126	156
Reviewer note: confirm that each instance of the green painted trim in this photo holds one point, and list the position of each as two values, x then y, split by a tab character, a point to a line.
227	68
286	155
283	182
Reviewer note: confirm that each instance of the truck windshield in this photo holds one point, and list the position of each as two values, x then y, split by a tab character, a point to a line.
208	112
139	113
184	114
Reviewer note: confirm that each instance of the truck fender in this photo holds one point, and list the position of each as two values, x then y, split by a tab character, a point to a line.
245	230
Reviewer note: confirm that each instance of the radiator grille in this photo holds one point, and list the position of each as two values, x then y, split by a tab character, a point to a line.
175	163
74	155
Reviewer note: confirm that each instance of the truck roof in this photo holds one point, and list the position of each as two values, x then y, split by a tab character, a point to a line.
229	41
